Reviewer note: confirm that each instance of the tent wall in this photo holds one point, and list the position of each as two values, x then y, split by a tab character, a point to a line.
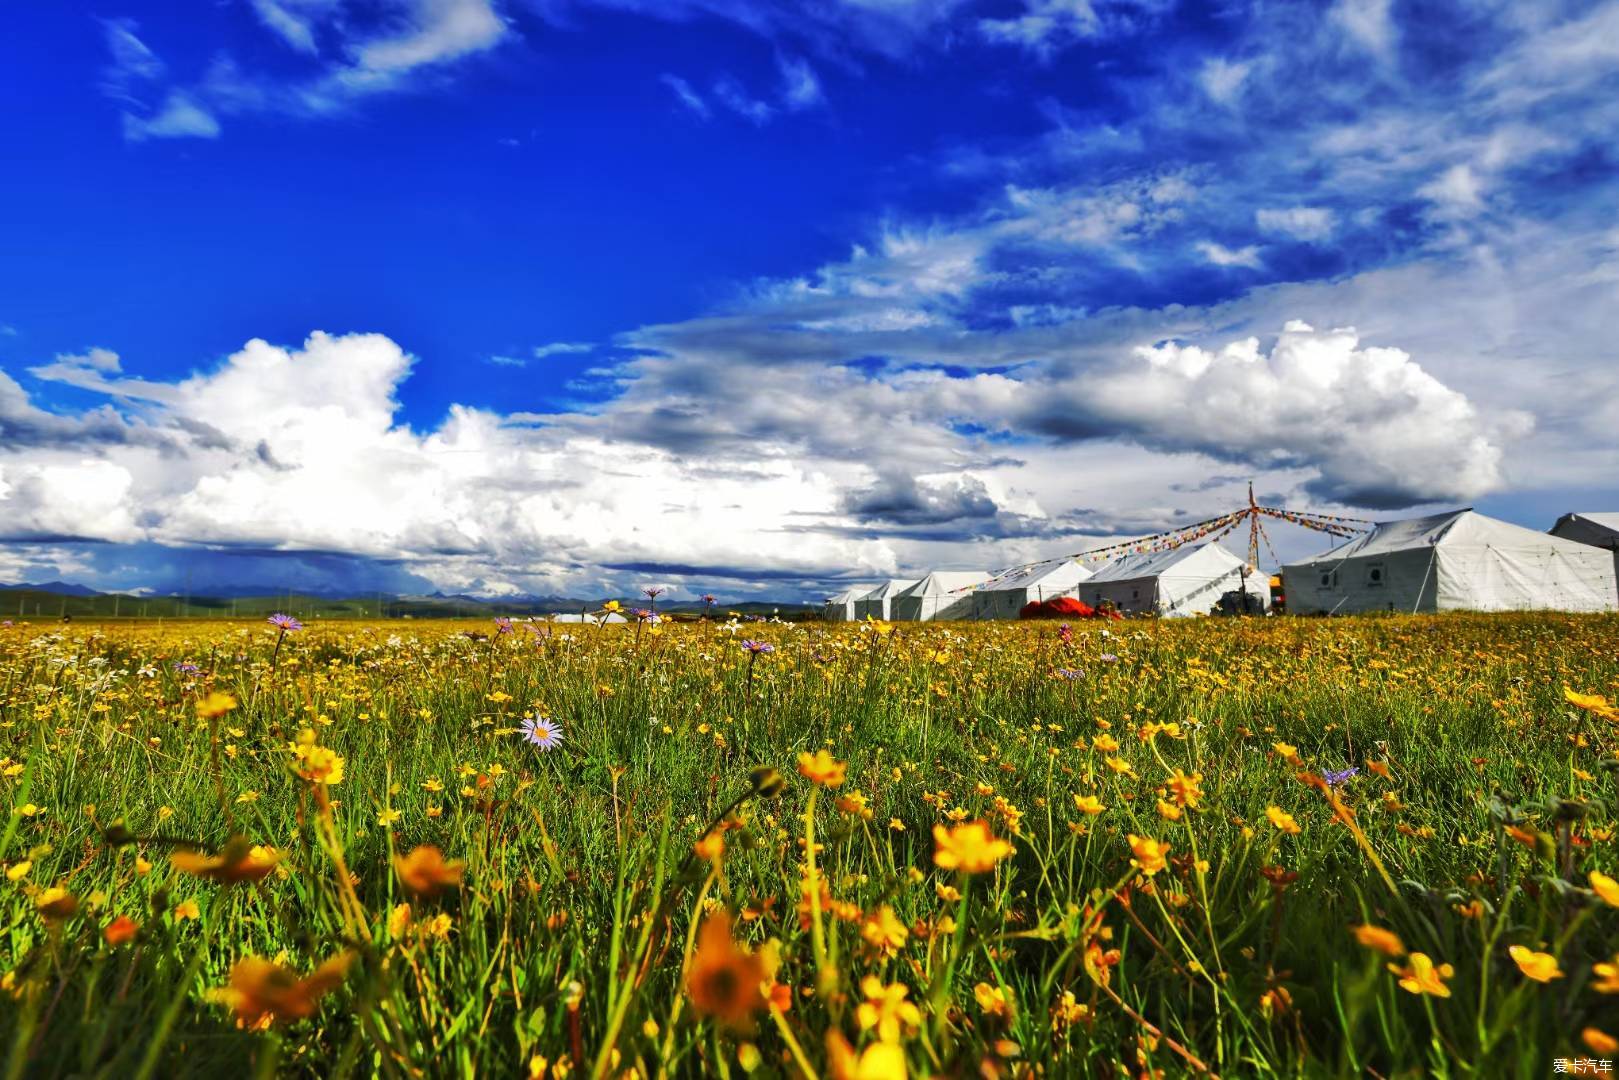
1006	603
1396	581
1505	579
933	607
878	603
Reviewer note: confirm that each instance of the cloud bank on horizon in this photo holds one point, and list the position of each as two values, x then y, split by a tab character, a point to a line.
1360	253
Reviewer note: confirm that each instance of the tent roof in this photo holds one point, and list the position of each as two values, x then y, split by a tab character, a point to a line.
1164	563
1457	528
1053	574
940	582
891	587
1589	528
854	592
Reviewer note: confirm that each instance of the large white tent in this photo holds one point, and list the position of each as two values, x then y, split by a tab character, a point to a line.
1597	529
841	608
1456	561
1004	596
942	595
1187	580
877	604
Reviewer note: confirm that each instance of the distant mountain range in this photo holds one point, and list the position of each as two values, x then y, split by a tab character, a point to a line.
59	598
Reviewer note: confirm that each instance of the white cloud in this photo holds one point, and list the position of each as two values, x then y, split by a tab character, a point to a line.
1220	255
1457	190
1300	222
562	348
180	117
1223	79
1367	22
1379	430
800	87
687	95
294	20
433	31
730	93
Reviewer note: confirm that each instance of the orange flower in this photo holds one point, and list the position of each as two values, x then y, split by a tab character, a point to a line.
1600	1041
1539	966
1187	789
238	860
1607	976
822	768
215	705
884	932
1089	804
1282	820
424	871
724	981
1422	977
262	993
120	930
970	848
1149	854
1384	941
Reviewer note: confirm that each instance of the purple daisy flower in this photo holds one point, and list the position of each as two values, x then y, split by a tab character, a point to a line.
1070	673
185	667
503	625
284	623
542	731
1333	779
757	647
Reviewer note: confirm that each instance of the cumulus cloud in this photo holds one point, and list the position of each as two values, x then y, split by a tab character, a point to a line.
1376	428
1306	223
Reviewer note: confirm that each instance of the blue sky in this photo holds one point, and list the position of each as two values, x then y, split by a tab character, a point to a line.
564	296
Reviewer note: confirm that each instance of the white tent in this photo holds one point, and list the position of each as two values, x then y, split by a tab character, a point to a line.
840	608
1456	561
877	604
1188	580
1003	596
942	595
1598	530
575	617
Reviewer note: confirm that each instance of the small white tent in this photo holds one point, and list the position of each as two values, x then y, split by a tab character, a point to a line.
1188	580
1003	596
1456	561
840	608
942	595
877	604
1598	530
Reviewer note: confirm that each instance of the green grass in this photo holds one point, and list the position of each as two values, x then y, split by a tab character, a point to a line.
570	929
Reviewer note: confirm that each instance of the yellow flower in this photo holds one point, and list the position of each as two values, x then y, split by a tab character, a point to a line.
1119	765
1285	750
1539	966
1169	811
424	871
1607	981
724	980
1282	820
1187	789
262	992
1605	887
399	920
822	768
1384	941
238	860
1422	977
879	1061
19	871
1105	743
215	705
970	848
247	797
56	903
884	932
1089	804
316	763
433	784
1593	703
1149	854
187	909
995	1000
887	1009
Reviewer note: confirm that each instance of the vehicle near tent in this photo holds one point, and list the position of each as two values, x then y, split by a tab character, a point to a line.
1187	580
878	603
1456	561
841	608
940	596
1597	529
1005	595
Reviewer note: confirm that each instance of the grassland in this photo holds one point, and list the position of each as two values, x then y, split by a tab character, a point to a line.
869	852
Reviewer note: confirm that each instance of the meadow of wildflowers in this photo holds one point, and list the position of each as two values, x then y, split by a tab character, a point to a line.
1380	847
